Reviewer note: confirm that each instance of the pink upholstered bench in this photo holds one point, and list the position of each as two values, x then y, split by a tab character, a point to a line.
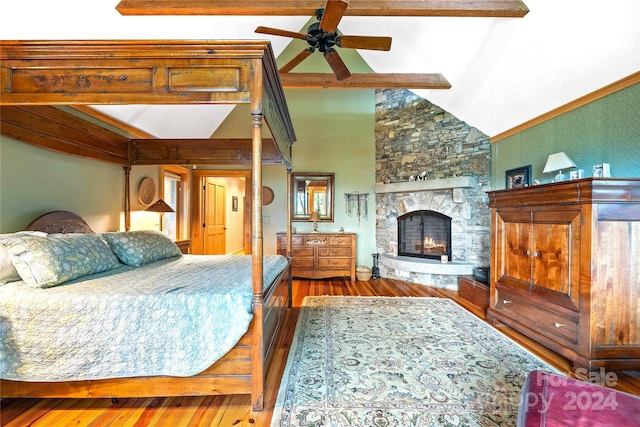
554	400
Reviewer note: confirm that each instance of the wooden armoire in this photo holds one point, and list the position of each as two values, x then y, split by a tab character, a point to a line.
565	269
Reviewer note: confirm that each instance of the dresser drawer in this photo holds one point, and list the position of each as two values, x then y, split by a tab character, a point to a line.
334	263
296	252
549	323
334	252
316	241
295	240
340	241
302	262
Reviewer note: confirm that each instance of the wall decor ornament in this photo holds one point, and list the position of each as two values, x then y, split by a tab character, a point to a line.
146	190
267	195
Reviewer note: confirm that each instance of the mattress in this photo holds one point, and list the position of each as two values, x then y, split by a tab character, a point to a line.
171	317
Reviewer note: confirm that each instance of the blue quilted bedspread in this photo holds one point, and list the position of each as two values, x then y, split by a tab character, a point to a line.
172	317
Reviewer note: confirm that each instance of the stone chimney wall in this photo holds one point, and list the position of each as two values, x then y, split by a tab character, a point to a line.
414	136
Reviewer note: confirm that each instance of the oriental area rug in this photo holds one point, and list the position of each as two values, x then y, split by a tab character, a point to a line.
398	361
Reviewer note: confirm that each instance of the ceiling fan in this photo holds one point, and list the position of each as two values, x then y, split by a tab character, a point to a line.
323	36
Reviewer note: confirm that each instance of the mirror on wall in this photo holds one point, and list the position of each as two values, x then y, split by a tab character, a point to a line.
311	192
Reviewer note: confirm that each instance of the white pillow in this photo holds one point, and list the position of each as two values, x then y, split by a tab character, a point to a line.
8	272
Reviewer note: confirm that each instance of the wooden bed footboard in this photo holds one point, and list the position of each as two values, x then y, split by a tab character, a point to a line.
241	371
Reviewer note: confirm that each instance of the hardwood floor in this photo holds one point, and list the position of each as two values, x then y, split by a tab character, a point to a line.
236	410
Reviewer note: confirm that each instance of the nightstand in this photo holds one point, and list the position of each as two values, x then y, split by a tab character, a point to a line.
184	245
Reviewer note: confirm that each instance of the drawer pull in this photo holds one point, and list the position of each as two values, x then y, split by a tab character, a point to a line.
506	301
559	325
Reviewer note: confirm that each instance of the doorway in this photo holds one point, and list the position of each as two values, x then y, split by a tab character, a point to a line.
215	218
213	211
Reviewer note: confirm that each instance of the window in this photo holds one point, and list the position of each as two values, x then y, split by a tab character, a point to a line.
171	190
174	185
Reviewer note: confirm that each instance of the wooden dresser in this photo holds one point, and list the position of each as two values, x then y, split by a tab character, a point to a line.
565	269
321	255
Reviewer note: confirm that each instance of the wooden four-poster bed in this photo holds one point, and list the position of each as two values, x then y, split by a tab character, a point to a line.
37	77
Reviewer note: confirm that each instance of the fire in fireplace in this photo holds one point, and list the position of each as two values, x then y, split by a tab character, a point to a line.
424	234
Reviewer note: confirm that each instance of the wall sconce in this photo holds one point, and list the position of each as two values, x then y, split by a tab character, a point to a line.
315	217
557	162
162	207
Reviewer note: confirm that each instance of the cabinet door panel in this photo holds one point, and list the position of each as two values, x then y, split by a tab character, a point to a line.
555	257
551	257
514	262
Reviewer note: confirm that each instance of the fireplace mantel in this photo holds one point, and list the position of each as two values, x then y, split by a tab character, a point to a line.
429	185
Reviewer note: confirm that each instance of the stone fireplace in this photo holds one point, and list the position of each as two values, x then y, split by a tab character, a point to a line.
428	160
454	198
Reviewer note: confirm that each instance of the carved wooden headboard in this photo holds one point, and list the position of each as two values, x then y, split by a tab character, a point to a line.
59	222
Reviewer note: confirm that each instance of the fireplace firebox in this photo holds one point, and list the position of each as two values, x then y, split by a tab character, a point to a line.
424	234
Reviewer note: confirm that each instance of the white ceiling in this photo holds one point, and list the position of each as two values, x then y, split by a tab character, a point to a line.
503	71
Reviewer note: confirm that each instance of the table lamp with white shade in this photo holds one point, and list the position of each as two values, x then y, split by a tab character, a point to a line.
557	162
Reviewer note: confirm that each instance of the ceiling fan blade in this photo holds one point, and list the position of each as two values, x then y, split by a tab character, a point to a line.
332	15
337	64
365	42
295	61
283	33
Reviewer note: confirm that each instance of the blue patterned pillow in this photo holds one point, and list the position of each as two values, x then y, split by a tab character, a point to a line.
136	248
43	262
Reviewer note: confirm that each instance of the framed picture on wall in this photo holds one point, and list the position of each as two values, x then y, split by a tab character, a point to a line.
518	177
234	203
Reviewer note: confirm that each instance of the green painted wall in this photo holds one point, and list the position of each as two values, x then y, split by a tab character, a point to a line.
604	131
34	181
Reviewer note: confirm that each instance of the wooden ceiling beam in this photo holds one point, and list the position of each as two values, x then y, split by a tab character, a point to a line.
200	152
472	8
54	129
364	81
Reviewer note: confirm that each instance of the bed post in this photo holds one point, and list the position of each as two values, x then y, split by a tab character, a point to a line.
127	197
257	346
289	213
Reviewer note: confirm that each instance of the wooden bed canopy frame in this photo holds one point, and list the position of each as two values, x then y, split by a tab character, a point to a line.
38	77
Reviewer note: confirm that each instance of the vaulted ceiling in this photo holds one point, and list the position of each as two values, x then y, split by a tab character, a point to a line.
503	71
